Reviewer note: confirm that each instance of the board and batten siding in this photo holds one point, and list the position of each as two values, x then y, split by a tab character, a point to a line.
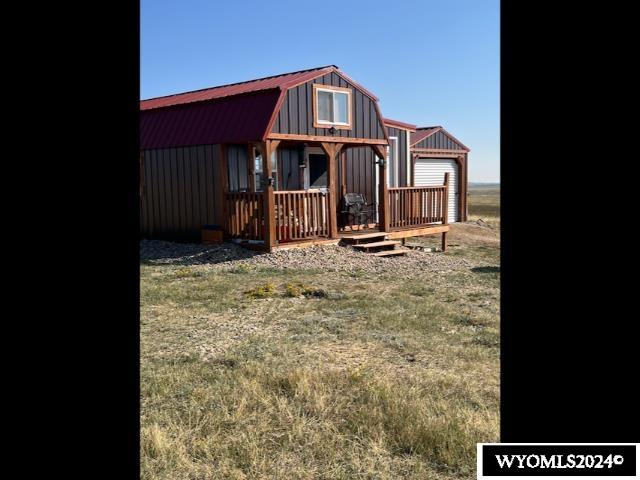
430	171
296	112
440	141
289	177
180	192
360	172
401	135
237	168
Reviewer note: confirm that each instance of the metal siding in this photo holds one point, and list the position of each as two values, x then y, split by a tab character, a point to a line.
402	154
365	121
439	140
430	171
359	113
360	176
237	167
301	94
180	194
293	111
213	167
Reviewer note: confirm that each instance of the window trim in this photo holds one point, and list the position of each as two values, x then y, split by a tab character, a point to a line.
329	88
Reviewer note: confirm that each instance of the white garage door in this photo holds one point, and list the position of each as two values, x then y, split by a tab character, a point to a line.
430	171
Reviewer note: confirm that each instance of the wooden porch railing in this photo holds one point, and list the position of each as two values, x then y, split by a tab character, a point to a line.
415	206
245	215
301	214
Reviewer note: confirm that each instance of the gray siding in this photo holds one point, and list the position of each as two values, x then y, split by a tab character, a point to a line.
180	192
296	113
360	169
237	168
439	140
402	153
289	169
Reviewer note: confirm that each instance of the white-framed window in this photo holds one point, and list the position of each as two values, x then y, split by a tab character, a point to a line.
392	163
257	171
332	107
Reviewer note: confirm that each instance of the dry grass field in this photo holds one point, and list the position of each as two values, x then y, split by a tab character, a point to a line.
256	370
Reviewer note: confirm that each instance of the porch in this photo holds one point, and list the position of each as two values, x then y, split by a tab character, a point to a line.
266	218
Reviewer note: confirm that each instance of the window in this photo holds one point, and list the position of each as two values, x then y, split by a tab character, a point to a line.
258	172
392	159
332	107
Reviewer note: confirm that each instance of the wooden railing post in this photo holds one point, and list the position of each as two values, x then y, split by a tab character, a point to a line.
267	149
445	210
332	150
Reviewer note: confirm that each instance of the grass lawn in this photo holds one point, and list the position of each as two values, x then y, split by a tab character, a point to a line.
258	372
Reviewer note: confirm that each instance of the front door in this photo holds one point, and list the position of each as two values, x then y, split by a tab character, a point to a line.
317	171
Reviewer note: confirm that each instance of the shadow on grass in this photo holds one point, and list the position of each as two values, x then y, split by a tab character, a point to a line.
486	269
155	252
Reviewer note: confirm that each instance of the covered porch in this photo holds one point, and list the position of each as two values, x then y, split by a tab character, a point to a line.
266	216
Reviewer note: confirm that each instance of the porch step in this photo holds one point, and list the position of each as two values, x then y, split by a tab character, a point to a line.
354	239
383	243
389	253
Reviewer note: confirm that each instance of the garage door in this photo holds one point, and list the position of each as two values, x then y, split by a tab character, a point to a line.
430	171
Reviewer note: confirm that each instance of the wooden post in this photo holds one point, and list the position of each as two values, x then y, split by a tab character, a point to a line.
267	148
383	190
445	200
414	158
332	150
445	210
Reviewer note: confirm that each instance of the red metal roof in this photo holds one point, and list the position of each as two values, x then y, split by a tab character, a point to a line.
281	82
241	118
238	112
422	133
397	124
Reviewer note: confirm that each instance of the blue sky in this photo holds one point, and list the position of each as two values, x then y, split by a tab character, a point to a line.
429	62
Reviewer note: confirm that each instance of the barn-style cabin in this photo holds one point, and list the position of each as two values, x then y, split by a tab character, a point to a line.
295	159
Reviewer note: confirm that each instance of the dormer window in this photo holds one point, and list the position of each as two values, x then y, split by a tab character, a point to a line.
332	107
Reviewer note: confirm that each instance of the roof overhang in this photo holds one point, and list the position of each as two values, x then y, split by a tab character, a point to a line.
398	124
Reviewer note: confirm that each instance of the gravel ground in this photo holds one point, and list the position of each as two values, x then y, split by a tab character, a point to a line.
327	257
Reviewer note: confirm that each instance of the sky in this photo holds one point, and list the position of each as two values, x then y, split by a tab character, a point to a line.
429	62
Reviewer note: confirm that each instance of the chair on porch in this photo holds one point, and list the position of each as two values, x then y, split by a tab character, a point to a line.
354	207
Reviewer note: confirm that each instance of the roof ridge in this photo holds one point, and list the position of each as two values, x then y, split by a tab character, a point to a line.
429	128
399	122
238	83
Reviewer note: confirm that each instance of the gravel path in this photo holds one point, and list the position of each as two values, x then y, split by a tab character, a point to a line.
326	257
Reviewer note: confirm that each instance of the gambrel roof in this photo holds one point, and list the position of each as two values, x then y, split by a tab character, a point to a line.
237	112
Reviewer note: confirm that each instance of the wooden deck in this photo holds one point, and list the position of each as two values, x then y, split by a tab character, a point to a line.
301	218
394	234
